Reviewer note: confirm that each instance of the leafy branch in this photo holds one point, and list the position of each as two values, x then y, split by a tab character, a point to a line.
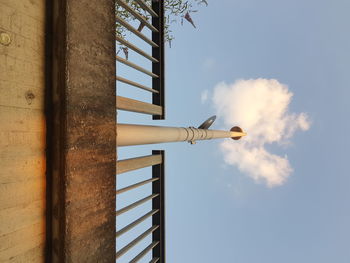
175	11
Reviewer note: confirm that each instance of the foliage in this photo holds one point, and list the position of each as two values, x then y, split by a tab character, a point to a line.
175	11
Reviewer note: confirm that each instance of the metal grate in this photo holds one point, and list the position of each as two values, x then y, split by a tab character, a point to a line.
157	212
156	42
155	249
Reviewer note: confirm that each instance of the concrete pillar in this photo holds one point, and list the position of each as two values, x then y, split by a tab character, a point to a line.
84	134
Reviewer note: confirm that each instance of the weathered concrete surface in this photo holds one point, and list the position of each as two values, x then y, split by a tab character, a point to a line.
22	131
85	131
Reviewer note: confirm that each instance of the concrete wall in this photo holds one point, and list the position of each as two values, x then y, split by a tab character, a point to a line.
84	149
22	131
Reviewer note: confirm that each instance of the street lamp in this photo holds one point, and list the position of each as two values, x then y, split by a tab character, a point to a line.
132	134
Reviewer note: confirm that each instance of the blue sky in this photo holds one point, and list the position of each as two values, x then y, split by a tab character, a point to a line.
215	212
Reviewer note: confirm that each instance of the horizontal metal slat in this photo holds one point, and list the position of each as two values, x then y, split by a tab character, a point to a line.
135	31
135	241
138	106
147	8
135	84
136	222
137	203
136	15
155	260
144	252
137	67
135	48
138	163
133	186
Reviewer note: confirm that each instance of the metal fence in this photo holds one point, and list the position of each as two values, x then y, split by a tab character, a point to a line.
156	11
156	231
156	160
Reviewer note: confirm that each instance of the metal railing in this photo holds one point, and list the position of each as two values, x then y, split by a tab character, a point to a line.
156	42
153	38
157	212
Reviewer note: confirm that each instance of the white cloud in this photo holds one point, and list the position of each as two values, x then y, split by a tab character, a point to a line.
259	107
204	96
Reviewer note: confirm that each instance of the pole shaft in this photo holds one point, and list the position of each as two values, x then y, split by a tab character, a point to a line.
131	134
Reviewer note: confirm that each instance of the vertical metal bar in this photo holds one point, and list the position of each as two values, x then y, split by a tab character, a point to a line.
135	223
132	164
135	241
159	203
135	204
145	7
131	10
135	66
133	186
158	53
135	31
135	48
144	252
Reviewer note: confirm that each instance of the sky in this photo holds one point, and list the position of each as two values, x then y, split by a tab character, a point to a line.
289	201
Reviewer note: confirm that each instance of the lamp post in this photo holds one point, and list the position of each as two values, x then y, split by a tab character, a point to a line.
132	134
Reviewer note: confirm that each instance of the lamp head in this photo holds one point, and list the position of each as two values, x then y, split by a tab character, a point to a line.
237	133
